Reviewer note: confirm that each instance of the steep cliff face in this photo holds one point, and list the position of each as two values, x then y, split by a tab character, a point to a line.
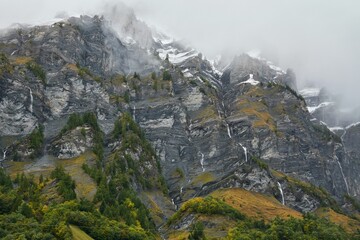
208	128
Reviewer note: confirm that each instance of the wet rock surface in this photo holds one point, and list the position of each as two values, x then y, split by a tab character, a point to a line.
204	127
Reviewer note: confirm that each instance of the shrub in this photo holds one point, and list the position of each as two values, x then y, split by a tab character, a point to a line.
36	139
37	71
167	76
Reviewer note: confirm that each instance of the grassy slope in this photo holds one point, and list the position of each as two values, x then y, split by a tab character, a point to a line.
255	205
79	234
349	224
85	186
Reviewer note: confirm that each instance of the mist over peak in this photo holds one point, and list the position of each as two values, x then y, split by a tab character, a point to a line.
319	40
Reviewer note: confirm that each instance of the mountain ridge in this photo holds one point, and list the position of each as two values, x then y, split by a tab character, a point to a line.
247	128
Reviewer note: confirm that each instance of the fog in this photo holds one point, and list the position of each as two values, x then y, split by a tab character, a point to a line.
319	39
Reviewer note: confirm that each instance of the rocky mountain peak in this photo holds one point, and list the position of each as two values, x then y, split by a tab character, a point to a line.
148	117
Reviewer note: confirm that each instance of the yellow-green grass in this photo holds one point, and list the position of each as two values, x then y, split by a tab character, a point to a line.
72	67
219	225
258	111
85	186
202	179
152	200
207	114
255	205
79	234
178	235
21	60
349	224
17	168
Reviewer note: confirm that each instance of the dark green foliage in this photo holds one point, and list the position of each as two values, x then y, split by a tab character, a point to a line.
206	82
192	82
91	222
36	139
353	201
155	85
310	227
136	75
325	133
298	96
26	187
207	205
133	139
25	210
317	192
117	129
153	75
83	132
37	70
180	172
197	231
115	195
65	185
119	202
166	75
11	198
7	195
127	97
260	163
5	66
21	215
84	71
5	181
17	226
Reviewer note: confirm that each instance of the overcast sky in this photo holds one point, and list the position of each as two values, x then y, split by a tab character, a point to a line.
319	39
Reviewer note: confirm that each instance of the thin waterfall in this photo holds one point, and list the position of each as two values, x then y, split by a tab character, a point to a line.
282	193
228	129
245	152
173	203
202	162
31	100
134	110
343	175
3	159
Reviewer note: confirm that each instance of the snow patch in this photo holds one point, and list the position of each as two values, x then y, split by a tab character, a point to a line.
310	92
321	105
175	56
256	53
251	81
187	73
352	125
162	38
128	40
336	129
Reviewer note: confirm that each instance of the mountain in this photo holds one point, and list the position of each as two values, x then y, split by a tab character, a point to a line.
155	140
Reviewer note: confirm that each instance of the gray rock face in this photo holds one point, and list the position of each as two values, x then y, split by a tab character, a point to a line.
204	127
262	70
73	143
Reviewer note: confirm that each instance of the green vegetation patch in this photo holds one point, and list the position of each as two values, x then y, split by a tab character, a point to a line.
37	70
5	66
310	227
36	139
207	205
